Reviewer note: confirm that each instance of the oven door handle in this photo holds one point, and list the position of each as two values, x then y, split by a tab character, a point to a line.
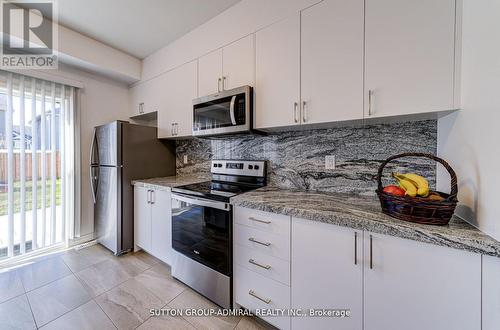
203	202
231	110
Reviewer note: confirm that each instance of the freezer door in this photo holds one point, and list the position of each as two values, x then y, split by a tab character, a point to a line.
108	144
107	215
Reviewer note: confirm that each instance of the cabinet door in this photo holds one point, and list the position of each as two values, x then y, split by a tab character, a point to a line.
491	293
210	73
238	61
413	286
332	61
410	49
161	226
277	74
142	218
176	118
327	273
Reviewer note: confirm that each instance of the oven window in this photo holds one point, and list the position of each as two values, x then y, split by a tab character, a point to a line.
203	234
216	114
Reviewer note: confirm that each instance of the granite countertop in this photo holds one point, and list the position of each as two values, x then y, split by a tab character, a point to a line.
168	182
363	213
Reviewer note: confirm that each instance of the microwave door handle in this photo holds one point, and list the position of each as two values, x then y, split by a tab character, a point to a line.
231	110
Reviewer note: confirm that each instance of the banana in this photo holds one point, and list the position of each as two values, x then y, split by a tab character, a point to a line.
409	187
419	181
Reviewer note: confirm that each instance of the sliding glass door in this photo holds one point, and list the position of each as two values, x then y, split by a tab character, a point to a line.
36	164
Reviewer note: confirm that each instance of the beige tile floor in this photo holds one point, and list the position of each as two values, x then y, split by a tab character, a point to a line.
92	289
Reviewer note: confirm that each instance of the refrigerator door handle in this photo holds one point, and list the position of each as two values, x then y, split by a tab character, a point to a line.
93	178
93	146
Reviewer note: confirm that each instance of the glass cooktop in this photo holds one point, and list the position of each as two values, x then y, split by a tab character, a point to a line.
216	190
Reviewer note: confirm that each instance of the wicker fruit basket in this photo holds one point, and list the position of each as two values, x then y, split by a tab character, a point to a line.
419	209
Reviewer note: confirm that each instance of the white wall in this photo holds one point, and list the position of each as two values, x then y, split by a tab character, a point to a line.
101	100
236	22
469	139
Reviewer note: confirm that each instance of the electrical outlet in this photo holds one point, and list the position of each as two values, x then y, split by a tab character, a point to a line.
330	162
185	159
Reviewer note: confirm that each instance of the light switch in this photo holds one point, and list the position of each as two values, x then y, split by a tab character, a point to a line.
330	162
185	159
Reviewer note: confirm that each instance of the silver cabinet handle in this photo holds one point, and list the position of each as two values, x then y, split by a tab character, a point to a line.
251	239
141	107
172	129
370	94
176	129
149	198
304	111
218	84
253	294
295	112
258	220
355	248
253	262
224	83
371	252
153	197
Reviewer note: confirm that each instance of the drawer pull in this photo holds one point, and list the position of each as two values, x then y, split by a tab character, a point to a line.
253	262
261	221
253	294
251	239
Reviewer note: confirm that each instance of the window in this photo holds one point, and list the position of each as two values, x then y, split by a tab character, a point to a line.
37	138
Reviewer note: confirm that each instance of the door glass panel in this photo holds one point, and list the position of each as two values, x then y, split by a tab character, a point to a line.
202	233
216	114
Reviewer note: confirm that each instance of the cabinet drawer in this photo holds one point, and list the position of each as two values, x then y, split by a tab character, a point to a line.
266	221
250	286
262	241
266	265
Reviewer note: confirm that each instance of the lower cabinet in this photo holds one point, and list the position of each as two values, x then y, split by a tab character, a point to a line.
414	286
327	273
153	222
385	283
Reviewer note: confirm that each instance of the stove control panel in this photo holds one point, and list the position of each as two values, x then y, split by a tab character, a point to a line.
239	167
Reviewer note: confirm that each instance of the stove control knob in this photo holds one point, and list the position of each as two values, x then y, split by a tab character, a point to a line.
250	167
256	167
219	165
215	165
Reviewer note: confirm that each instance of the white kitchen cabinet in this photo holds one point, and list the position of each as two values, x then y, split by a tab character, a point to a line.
331	58
210	73
410	56
413	286
153	222
228	67
327	273
491	293
142	218
277	96
238	63
161	225
180	88
146	97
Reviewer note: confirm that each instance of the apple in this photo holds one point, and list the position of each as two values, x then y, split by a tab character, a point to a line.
394	190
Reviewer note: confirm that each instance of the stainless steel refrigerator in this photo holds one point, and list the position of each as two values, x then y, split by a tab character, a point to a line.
122	152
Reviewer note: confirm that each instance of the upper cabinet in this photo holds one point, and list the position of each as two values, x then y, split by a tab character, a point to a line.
210	73
277	82
229	67
179	90
145	97
410	56
331	61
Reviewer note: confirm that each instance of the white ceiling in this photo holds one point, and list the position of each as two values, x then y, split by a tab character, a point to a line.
138	27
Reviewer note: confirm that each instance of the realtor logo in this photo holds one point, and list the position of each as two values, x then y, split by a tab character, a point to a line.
29	32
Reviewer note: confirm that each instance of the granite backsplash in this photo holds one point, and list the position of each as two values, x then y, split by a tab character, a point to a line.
296	159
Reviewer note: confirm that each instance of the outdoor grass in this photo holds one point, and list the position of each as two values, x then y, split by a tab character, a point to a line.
29	194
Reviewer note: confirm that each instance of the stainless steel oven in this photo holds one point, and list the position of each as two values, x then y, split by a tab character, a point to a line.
202	232
226	112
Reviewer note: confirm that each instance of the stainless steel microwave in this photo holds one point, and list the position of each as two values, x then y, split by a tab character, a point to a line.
226	112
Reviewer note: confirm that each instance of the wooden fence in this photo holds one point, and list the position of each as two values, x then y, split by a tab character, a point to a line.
28	165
